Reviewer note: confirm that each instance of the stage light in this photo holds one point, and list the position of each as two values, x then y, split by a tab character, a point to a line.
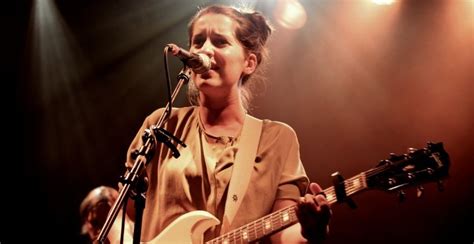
290	14
383	2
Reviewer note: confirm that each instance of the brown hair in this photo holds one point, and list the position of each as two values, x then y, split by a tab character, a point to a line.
252	32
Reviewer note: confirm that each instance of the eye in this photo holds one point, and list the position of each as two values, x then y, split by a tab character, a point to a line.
220	41
197	41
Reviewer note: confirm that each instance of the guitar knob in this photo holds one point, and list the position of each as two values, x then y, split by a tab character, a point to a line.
411	150
419	191
391	181
401	195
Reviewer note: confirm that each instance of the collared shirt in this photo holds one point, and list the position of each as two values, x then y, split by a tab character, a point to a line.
199	178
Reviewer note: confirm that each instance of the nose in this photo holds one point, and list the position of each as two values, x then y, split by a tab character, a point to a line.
207	48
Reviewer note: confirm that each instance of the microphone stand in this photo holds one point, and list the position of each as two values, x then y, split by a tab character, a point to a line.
144	155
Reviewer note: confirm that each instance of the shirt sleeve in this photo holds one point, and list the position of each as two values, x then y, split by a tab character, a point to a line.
293	181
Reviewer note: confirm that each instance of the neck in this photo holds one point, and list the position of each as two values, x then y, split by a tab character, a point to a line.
222	118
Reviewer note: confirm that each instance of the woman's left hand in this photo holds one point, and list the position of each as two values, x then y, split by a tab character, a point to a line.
313	213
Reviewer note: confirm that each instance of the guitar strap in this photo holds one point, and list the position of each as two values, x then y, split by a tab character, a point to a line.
242	170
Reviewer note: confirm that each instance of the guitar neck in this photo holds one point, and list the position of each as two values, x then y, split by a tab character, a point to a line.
285	217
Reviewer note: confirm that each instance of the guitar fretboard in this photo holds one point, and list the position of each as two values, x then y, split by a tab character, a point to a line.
284	217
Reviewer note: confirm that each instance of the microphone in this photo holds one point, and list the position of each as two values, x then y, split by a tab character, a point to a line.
198	62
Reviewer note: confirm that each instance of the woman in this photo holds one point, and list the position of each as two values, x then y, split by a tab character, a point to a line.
198	180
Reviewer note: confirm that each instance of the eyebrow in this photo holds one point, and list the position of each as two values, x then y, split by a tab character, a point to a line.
219	35
199	35
213	35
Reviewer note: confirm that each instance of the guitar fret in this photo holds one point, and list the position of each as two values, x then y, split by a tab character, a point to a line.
267	225
330	194
293	216
255	229
231	238
285	216
259	227
223	240
277	220
250	232
245	236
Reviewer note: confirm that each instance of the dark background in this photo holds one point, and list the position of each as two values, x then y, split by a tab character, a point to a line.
357	82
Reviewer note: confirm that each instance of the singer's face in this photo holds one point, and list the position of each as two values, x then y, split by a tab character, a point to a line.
214	35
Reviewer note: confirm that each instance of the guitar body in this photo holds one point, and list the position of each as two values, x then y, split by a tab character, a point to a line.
187	228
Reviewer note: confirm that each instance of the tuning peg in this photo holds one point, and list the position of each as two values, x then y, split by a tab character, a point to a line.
384	162
419	191
440	185
394	157
381	163
401	195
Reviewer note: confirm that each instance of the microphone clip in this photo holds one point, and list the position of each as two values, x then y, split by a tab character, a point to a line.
167	138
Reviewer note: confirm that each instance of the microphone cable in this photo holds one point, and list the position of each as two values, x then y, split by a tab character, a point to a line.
168	82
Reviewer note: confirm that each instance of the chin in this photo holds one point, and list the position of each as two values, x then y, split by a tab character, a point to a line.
206	84
206	80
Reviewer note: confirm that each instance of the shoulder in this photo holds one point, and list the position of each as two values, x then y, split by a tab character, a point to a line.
278	129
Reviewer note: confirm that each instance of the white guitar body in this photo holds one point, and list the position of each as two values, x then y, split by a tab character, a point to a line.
187	228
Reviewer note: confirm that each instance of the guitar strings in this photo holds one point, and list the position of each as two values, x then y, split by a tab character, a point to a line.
259	226
275	217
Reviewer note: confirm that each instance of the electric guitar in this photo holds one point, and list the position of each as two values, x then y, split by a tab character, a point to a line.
398	171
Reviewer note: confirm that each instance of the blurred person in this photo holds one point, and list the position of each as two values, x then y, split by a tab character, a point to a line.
94	209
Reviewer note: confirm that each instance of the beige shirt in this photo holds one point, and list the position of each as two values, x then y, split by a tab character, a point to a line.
199	178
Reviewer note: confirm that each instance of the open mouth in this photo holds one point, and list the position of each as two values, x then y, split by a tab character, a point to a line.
207	74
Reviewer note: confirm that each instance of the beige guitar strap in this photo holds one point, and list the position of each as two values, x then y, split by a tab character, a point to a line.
242	170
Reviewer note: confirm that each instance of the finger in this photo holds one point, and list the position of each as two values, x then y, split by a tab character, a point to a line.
307	205
308	198
315	188
325	213
325	217
302	212
320	199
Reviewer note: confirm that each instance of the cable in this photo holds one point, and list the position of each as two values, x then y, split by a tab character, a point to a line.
168	82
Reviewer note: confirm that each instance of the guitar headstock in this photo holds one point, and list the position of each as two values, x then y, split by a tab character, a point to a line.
418	166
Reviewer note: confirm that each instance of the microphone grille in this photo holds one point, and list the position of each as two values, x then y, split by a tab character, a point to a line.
206	64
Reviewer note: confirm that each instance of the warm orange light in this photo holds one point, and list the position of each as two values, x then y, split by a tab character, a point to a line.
383	2
290	14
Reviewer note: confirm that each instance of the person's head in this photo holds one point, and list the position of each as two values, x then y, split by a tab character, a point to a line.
94	209
235	42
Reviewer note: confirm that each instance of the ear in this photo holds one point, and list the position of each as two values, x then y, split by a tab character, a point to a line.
250	64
